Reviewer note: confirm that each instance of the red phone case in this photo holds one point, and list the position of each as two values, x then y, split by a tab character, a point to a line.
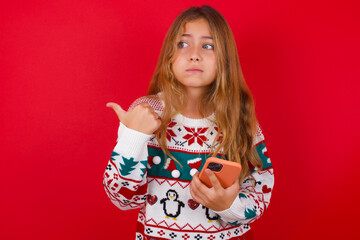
226	176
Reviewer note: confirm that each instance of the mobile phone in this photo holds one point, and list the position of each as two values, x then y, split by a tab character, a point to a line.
225	171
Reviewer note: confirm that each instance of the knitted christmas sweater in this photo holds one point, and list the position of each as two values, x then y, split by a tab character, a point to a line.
138	175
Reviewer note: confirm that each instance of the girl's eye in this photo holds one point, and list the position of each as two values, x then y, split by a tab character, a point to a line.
208	46
182	44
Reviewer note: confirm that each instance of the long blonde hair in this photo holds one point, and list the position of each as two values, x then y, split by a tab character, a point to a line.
228	95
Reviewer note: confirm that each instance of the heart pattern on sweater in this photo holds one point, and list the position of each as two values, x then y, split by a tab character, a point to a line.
266	189
193	204
152	199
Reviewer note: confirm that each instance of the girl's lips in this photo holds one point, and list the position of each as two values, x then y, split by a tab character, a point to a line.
194	70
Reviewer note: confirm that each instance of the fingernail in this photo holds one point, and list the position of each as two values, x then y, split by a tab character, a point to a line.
208	171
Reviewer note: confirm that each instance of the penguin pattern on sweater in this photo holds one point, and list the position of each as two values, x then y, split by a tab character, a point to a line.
139	175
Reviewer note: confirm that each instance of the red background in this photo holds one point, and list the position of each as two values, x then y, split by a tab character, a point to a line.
61	61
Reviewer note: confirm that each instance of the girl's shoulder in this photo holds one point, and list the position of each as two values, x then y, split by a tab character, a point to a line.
259	136
154	100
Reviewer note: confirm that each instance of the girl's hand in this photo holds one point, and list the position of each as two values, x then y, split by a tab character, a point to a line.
141	118
216	198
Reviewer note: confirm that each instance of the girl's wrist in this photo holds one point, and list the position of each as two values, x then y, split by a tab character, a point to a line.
131	141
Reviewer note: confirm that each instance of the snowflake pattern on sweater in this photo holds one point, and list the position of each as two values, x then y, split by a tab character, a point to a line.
139	176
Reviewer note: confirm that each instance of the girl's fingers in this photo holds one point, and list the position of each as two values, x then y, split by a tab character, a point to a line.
201	189
156	116
117	108
145	104
195	196
142	117
213	179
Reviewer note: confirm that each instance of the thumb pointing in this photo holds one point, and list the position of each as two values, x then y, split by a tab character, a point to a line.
117	109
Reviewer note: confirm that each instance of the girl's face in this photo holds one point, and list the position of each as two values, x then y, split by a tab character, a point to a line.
194	62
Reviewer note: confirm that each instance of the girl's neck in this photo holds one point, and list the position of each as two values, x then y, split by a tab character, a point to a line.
191	110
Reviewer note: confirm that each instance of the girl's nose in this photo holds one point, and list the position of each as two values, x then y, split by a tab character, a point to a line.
194	55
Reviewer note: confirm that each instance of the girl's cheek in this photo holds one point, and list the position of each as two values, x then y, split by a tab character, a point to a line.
209	53
183	51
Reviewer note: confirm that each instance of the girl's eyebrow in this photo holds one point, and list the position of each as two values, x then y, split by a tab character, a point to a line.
189	35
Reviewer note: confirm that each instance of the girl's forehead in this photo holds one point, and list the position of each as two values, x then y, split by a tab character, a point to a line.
196	27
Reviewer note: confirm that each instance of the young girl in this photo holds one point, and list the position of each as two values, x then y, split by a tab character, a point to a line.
198	105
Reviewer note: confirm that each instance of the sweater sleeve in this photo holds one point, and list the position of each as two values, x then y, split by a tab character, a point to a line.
254	195
125	175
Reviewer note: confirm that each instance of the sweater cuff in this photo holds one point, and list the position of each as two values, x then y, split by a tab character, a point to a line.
131	141
235	212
